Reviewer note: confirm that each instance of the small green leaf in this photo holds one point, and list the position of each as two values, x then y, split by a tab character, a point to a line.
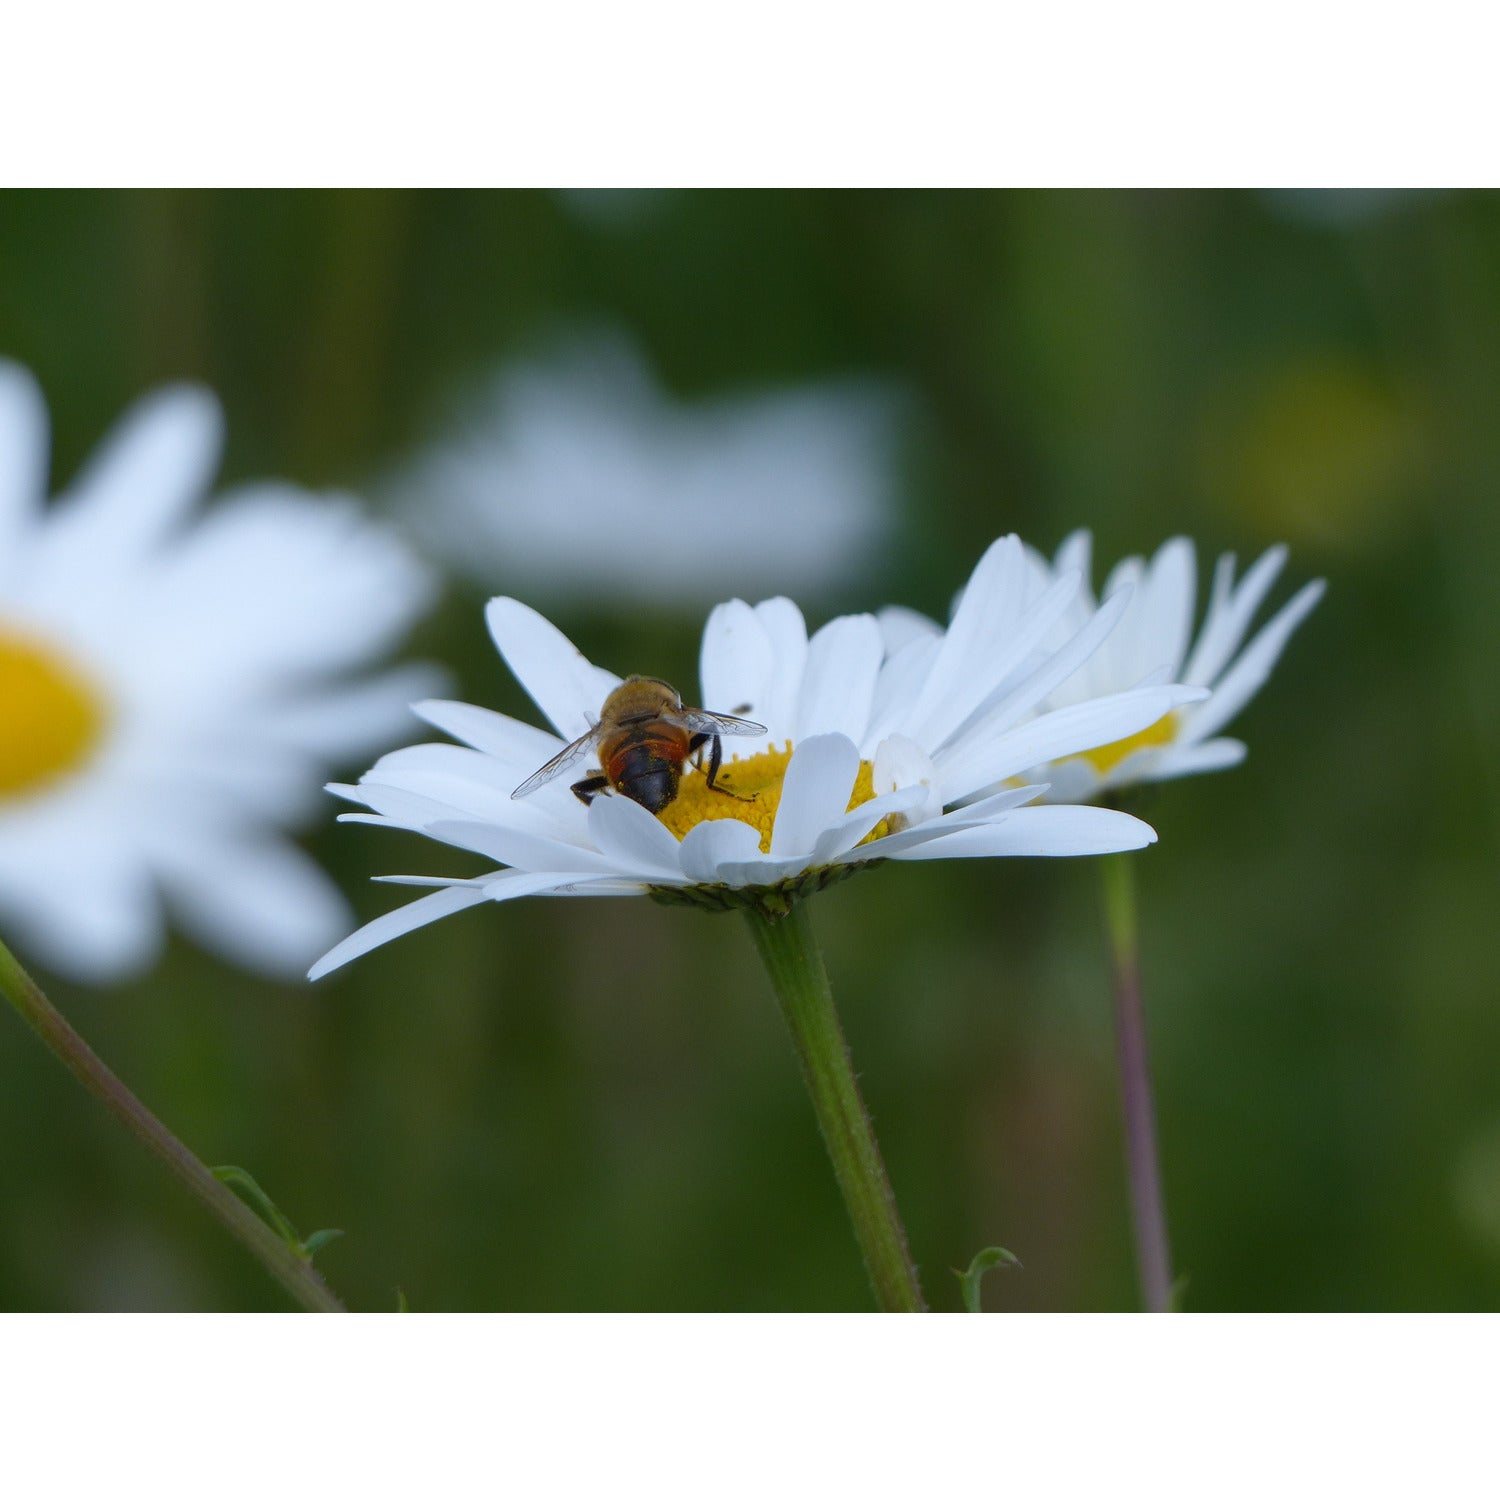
986	1260
402	1305
317	1239
255	1195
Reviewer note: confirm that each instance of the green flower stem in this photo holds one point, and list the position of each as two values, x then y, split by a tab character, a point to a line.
1147	1207
792	959
295	1274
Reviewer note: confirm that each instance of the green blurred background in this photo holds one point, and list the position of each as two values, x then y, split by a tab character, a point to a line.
570	1105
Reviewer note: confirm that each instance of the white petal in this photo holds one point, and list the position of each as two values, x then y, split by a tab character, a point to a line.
478	783
715	843
375	820
993	803
1164	610
901	678
992	601
901	762
1193	760
899	626
815	793
993	673
856	825
1229	618
786	633
510	740
23	458
633	839
514	751
97	922
1127	573
510	885
735	664
979	814
761	871
141	482
597	887
1248	674
281	586
1076	553
339	722
1063	732
838	686
1050	831
521	848
559	679
1220	596
396	806
1073	780
1055	670
261	903
396	924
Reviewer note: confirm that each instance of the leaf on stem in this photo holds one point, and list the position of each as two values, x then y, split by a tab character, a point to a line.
317	1239
986	1260
257	1197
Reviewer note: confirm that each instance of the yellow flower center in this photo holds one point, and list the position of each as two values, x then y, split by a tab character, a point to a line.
1104	758
51	717
755	783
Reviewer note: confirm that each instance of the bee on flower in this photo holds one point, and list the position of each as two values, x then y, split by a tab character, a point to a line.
853	753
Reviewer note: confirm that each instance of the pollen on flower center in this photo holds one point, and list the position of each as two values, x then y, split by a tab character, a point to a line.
1104	758
51	717
756	783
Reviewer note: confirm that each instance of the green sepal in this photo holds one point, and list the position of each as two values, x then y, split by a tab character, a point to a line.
986	1260
771	901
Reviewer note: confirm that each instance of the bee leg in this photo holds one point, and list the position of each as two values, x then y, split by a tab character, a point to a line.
715	760
589	788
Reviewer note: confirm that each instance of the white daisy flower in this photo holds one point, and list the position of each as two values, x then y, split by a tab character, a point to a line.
861	756
579	473
1155	604
171	691
1154	643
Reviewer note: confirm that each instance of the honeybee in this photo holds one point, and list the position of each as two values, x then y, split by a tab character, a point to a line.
643	739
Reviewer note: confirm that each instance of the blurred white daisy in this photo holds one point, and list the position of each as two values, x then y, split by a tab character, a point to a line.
1154	642
614	210
580	475
864	756
172	691
1344	208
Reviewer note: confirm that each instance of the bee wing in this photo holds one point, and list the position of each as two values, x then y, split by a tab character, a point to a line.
565	758
701	721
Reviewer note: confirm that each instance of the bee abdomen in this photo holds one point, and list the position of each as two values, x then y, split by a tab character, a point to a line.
645	776
655	790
